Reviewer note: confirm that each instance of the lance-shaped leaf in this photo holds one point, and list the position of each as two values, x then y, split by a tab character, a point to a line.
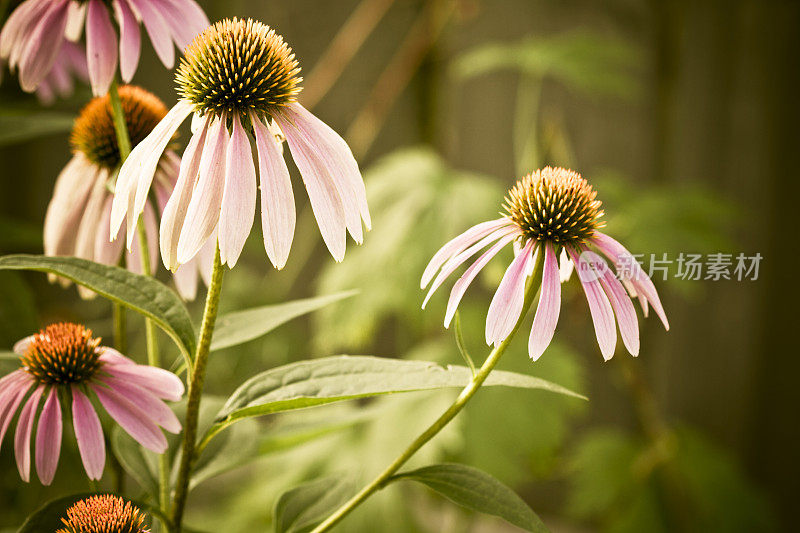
305	506
143	294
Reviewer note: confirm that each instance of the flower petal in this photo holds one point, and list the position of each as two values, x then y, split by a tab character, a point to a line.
599	306
547	311
89	434
48	438
130	40
155	409
506	306
22	436
101	47
163	383
10	398
158	30
185	19
278	215
42	46
203	212
106	251
66	207
238	198
136	423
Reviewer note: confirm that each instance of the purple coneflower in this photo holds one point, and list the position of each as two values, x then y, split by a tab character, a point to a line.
549	212
236	76
32	37
77	219
104	513
64	363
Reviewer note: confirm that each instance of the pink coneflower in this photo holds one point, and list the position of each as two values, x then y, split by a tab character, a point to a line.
63	362
104	513
550	211
76	223
236	76
33	35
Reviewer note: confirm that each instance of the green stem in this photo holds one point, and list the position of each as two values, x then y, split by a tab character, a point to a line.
188	451
120	126
120	329
451	412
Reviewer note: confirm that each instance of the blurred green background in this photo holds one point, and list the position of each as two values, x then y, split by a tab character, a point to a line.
683	114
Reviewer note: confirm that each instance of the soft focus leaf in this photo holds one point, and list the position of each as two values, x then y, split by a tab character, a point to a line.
140	463
242	326
143	294
332	379
303	507
18	126
478	491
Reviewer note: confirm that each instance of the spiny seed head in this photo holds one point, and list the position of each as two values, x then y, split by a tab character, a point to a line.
104	513
555	205
94	135
238	65
61	354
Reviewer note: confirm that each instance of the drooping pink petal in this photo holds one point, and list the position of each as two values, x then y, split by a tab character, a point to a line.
101	47
130	41
162	383
12	395
185	20
506	306
93	213
113	357
66	207
156	410
89	434
136	423
48	438
456	245
22	436
106	251
158	30
278	216
185	278
75	20
175	211
566	267
203	212
134	259
205	258
630	269
42	47
547	311
457	260
327	154
238	198
599	306
19	25
460	286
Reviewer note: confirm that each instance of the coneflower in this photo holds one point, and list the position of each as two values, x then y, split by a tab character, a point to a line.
237	76
104	513
34	33
549	212
65	363
76	223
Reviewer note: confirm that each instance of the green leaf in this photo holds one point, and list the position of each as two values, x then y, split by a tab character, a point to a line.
478	491
333	379
242	326
19	126
138	462
305	506
48	517
143	294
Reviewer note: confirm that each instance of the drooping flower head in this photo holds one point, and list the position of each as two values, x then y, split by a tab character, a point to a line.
65	363
239	76
553	212
104	513
76	223
35	32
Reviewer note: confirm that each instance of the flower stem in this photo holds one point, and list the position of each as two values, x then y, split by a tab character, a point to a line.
120	126
195	390
468	392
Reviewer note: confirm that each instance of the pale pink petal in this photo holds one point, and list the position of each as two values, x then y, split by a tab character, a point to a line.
205	258
458	244
162	383
66	207
42	47
158	30
457	260
238	198
460	286
202	214
130	41
566	267
48	438
12	395
278	214
21	346
19	25
185	278
75	20
106	251
136	423
89	434
175	210
151	230
547	311
113	357
506	306
92	215
626	263
101	47
185	20
147	403
599	306
22	436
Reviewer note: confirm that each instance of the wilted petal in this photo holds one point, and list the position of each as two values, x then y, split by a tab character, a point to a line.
48	438
238	198
136	423
599	306
89	434
506	306
546	318
22	436
130	41
101	47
